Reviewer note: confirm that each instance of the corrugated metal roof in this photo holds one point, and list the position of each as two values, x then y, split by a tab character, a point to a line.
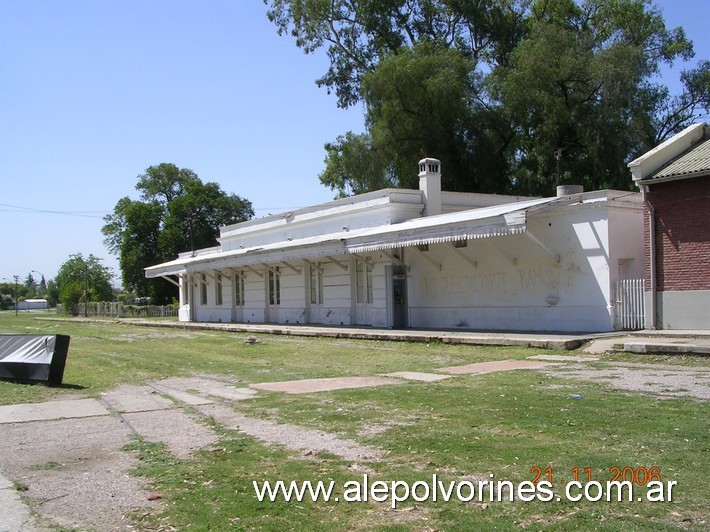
693	161
497	220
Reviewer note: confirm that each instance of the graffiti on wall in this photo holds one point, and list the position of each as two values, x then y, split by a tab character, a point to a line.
517	281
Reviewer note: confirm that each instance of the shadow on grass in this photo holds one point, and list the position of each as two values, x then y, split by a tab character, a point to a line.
27	382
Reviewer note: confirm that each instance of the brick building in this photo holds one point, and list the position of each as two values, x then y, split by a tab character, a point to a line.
674	179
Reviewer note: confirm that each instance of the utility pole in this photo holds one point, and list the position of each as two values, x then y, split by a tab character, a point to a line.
86	290
17	280
192	232
558	156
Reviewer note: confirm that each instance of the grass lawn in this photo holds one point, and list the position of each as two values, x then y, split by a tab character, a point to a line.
464	428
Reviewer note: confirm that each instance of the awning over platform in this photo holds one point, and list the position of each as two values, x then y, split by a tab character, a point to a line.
498	220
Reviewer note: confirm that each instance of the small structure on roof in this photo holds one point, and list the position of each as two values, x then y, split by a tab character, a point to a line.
422	258
674	179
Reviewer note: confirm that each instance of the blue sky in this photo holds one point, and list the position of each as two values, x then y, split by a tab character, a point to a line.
93	93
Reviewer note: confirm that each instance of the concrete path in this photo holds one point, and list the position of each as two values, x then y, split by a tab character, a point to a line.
417	376
490	367
76	408
323	385
15	515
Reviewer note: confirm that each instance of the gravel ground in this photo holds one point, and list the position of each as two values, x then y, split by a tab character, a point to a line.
304	440
181	433
75	472
653	379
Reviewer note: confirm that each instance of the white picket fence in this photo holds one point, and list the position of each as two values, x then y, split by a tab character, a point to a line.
630	308
119	310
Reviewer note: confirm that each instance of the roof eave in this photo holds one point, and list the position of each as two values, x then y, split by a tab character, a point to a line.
666	179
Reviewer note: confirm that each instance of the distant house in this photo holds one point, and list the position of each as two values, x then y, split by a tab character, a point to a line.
33	304
674	179
422	258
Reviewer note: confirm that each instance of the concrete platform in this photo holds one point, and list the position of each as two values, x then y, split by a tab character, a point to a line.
543	340
179	395
324	385
668	346
490	367
563	358
127	398
51	410
15	514
417	376
201	390
655	342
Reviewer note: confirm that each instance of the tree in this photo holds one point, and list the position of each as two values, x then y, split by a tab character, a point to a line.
359	34
496	89
176	212
70	297
578	85
7	295
79	274
33	289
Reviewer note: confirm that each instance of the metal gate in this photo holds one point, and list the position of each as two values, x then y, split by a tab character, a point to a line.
629	311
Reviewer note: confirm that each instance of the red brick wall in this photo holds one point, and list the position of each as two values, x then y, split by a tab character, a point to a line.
682	234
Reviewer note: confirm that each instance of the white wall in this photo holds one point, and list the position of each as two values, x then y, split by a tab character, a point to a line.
337	294
626	241
516	284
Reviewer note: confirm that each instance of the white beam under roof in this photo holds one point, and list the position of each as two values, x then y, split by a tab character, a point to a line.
171	280
252	270
462	255
291	267
313	265
338	263
542	246
391	257
423	255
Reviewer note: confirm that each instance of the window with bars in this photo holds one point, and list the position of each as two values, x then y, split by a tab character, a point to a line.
203	289
316	286
238	290
274	286
363	281
218	289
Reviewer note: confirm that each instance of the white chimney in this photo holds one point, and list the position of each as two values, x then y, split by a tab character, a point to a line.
430	184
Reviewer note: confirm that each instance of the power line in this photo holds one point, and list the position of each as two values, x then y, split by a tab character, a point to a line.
81	214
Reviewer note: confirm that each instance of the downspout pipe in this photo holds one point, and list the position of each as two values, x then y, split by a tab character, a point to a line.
652	254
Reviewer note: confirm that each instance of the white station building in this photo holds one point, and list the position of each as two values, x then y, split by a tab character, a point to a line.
425	259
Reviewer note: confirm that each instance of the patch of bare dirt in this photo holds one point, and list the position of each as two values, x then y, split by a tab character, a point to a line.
300	439
130	338
181	434
654	379
75	472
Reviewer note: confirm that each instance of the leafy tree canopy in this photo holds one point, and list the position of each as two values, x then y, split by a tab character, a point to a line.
513	96
81	273
176	212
